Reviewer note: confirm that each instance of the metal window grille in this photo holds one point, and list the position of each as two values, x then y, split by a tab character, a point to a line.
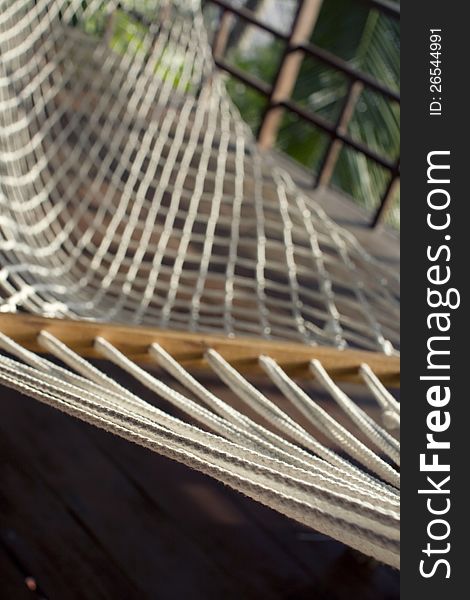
278	94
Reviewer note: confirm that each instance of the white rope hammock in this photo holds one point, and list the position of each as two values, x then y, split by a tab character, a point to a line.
132	192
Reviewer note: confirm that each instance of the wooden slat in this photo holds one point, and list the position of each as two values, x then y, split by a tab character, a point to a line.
189	348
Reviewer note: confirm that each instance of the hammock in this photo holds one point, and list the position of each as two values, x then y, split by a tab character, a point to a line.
131	192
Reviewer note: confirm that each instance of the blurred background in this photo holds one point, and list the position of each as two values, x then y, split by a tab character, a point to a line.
316	81
333	66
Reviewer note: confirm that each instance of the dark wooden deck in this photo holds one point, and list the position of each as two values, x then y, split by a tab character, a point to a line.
85	515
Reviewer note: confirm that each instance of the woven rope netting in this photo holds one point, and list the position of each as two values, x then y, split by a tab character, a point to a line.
132	192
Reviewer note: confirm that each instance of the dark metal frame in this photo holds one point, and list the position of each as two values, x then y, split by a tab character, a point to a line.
278	94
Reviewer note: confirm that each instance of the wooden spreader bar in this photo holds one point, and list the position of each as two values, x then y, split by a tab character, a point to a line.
189	348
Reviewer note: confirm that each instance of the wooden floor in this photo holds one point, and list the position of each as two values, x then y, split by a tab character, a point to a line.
85	515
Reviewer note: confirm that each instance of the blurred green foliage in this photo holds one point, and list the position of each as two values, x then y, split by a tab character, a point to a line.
347	28
130	36
369	41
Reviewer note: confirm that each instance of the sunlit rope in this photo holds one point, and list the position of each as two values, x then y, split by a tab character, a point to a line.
131	191
361	511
